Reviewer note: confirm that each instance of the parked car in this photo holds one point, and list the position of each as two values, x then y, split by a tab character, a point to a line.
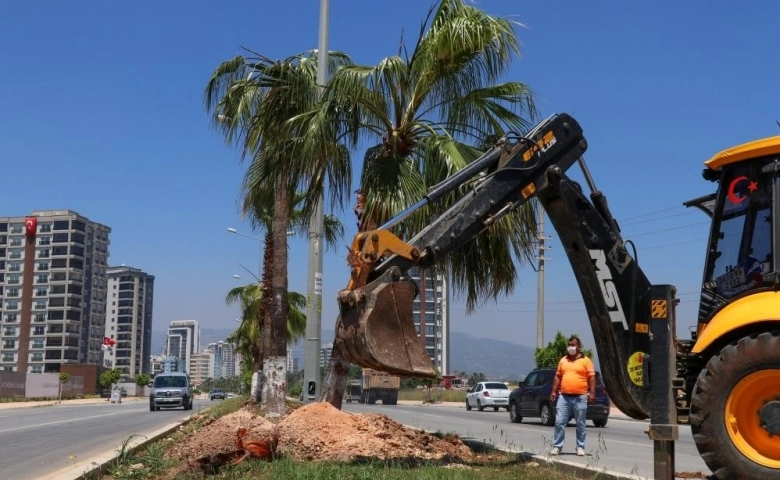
532	400
487	394
171	389
217	393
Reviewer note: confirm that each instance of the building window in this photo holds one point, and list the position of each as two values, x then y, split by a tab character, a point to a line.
10	317
16	241
44	227
40	304
14	267
15	253
37	344
13	279
10	331
39	330
9	344
12	292
40	292
40	317
43	278
44	241
8	357
43	266
12	305
43	253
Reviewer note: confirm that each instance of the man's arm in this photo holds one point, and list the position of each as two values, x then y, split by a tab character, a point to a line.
592	388
556	383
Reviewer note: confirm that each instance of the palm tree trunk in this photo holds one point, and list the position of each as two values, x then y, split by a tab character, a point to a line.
276	307
335	381
336	378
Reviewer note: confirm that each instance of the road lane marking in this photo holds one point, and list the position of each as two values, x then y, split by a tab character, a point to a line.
58	422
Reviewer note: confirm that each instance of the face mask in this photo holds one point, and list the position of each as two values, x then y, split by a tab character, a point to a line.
571	350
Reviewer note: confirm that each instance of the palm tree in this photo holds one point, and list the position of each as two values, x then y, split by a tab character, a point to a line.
430	108
257	97
249	337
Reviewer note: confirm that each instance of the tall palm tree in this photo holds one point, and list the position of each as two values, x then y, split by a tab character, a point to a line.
257	97
430	108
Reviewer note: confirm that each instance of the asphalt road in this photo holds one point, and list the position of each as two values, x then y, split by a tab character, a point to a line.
60	442
621	447
49	441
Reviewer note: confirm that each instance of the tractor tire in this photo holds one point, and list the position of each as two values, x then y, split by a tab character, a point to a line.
735	410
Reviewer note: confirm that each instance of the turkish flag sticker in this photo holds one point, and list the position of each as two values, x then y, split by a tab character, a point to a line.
31	225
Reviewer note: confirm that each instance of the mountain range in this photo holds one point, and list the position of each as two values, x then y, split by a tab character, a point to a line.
497	359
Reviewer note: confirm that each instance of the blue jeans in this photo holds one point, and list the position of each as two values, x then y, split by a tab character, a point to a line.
565	407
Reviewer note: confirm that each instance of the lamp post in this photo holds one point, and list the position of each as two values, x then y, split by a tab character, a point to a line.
311	365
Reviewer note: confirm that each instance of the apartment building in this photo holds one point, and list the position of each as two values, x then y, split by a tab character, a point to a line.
223	359
53	279
183	340
129	306
431	316
201	367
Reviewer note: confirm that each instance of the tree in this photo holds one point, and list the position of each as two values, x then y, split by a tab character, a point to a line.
429	109
549	356
109	377
64	378
248	337
257	97
142	380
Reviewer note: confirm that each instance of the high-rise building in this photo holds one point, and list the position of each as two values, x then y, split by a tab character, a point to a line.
183	340
431	316
292	361
53	288
129	320
325	351
224	361
201	367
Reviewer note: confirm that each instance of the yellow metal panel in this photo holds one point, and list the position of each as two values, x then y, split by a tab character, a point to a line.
754	149
755	308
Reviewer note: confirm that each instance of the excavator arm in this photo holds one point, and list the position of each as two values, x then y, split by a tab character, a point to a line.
375	328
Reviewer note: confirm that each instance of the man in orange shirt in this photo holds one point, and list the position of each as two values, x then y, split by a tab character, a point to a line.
574	387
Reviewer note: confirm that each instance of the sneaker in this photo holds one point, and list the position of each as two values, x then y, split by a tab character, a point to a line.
580	452
555	451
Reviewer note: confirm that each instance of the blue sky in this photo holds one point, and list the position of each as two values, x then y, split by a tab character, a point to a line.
103	114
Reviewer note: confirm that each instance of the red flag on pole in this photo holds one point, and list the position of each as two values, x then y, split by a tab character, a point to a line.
31	225
108	343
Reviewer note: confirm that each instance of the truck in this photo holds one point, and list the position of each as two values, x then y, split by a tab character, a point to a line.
353	392
378	385
724	380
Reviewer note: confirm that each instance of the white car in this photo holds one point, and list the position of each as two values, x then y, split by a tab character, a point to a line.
488	394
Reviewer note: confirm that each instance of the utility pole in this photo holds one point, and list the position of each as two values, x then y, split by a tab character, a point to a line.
311	362
540	292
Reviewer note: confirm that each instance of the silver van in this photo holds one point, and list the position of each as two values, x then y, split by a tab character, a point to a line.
171	389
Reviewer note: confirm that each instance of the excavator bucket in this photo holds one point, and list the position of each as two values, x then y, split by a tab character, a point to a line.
376	330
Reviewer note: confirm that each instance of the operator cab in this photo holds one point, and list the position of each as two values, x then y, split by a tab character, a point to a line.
740	257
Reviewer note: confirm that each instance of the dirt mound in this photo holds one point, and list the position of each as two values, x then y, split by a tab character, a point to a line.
318	431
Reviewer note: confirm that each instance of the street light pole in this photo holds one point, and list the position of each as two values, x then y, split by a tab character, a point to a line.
311	363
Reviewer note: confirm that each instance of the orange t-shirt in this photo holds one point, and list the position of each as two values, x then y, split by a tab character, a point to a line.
574	374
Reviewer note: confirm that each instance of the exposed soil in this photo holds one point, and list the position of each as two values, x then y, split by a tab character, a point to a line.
318	431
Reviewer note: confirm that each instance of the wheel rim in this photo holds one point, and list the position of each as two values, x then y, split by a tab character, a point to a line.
743	421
